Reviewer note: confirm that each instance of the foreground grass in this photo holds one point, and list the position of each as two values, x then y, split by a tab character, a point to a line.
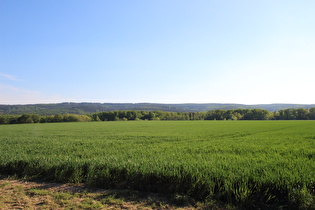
18	194
251	164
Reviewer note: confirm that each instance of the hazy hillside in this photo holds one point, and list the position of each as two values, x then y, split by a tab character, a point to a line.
85	108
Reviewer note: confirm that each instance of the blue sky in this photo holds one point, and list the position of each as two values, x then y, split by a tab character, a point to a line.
163	51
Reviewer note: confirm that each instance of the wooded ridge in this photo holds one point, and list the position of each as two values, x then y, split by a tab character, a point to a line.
89	108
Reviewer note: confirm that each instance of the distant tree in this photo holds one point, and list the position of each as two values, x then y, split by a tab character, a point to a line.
311	114
215	115
95	117
130	115
4	119
235	116
29	118
289	114
70	118
58	118
302	114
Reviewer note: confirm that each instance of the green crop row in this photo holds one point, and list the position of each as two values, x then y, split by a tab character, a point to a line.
248	163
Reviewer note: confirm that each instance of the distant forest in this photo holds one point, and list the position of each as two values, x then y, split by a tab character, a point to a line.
233	114
90	108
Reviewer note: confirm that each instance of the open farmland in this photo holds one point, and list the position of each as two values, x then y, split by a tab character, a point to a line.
248	163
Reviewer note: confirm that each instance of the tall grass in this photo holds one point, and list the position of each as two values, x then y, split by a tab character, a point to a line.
248	163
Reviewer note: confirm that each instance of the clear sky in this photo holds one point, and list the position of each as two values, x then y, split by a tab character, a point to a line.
159	51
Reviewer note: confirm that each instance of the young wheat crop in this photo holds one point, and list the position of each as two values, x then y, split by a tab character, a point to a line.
249	163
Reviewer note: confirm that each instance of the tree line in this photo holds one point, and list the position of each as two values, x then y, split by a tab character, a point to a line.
35	118
233	114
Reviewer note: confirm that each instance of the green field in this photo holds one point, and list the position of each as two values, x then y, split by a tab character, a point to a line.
248	163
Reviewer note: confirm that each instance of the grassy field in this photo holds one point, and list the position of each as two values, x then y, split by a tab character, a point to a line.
245	163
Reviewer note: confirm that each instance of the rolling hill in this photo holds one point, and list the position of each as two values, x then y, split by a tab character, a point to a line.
87	108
